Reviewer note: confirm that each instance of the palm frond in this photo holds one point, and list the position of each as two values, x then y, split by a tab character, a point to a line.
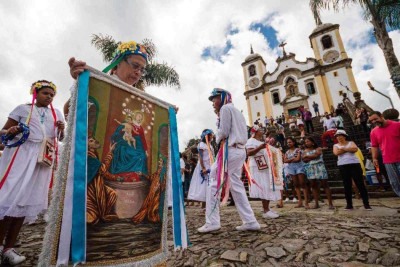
106	44
389	12
159	74
150	48
317	5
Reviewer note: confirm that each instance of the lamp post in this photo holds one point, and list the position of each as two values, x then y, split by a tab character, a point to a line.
372	88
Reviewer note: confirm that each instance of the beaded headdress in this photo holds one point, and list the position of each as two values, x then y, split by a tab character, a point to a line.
126	49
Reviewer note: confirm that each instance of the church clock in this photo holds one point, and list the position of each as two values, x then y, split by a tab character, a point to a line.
254	82
331	56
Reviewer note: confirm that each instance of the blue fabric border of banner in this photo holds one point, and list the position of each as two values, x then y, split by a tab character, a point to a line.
177	192
78	243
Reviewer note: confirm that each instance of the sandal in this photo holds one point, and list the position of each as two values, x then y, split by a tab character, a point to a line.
279	206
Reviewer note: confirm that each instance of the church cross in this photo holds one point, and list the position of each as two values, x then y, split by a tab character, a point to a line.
282	44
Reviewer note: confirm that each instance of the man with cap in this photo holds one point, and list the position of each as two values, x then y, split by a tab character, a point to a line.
232	131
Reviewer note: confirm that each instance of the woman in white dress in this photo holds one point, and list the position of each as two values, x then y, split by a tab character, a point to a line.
24	182
258	167
199	182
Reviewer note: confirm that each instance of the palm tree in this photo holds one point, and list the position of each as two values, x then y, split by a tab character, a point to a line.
382	14
158	74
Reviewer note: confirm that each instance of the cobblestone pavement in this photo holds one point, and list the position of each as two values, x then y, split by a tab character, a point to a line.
320	237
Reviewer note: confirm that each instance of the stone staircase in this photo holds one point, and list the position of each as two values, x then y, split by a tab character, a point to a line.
357	135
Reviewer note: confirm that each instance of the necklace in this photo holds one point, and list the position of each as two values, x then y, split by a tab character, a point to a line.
42	115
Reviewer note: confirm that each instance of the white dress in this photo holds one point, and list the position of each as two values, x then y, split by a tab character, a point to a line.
198	185
262	177
25	191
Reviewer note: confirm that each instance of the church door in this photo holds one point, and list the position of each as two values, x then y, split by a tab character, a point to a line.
293	111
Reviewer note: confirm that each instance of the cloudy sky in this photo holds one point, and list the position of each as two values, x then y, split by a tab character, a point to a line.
206	41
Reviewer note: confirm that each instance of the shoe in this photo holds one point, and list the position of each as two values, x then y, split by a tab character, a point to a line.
253	226
208	228
294	200
287	200
274	212
367	207
270	215
11	257
348	208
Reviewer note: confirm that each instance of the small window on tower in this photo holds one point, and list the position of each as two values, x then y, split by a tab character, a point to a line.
252	70
258	114
310	88
326	41
256	98
335	74
275	98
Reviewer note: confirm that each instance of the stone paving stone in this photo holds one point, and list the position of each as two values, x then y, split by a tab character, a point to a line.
317	238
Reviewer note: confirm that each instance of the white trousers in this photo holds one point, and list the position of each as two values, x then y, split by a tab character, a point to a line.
236	158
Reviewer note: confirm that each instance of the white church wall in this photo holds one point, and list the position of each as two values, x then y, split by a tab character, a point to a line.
289	64
277	109
334	84
257	107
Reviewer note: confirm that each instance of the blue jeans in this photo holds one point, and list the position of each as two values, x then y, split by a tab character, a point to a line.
393	171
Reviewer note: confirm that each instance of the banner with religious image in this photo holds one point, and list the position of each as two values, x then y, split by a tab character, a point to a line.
109	207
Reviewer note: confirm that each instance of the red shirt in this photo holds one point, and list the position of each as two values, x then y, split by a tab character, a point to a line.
388	140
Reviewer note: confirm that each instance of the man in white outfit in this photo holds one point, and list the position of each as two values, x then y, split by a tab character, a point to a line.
231	127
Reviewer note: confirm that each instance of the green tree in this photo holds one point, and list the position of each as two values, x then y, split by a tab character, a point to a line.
383	15
159	74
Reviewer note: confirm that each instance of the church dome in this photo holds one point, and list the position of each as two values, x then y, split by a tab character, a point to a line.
322	27
252	56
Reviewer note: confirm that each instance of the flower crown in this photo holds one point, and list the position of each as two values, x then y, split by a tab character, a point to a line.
43	83
129	48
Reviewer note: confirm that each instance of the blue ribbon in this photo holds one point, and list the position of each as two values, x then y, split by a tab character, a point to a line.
78	243
177	191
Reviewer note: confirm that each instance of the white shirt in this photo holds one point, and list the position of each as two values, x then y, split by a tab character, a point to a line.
233	125
339	121
330	123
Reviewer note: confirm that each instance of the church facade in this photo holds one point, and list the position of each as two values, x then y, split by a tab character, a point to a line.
322	79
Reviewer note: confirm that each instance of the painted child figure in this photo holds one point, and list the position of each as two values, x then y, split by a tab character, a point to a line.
199	183
128	129
24	182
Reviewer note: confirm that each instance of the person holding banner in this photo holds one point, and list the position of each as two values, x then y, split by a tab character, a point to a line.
226	171
25	167
128	65
259	167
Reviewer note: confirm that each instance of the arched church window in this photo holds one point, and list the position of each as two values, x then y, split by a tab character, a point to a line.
275	98
326	41
252	70
290	80
310	88
292	91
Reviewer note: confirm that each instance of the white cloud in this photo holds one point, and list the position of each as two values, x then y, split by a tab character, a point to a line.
38	38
